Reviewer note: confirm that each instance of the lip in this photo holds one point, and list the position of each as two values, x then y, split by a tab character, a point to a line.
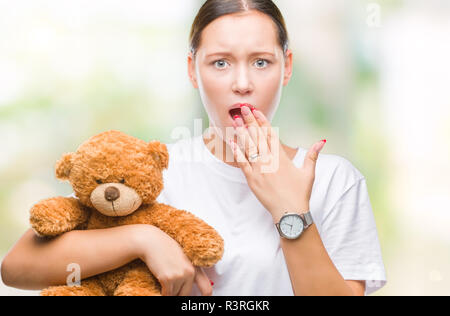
239	105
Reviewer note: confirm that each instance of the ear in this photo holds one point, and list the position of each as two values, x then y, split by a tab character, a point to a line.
159	153
288	67
63	167
191	70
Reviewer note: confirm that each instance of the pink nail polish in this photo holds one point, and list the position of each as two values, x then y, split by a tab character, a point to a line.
245	111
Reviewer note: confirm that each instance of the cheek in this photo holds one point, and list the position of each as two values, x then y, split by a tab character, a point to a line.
270	90
271	79
270	87
214	91
212	86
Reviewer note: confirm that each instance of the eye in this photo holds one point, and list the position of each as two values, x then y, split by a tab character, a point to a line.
219	61
122	181
98	181
264	61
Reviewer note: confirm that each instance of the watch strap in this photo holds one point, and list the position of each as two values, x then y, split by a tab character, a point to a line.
307	219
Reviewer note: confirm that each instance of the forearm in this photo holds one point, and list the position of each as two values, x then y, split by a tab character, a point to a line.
310	268
34	263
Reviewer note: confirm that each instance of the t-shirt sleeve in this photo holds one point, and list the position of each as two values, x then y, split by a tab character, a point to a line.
351	239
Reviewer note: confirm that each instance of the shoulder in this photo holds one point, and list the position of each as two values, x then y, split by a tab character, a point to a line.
182	158
338	173
340	166
332	166
180	150
335	175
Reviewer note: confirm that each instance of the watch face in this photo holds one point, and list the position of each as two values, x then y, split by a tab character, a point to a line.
291	226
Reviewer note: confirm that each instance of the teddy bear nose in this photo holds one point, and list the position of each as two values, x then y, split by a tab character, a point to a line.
112	194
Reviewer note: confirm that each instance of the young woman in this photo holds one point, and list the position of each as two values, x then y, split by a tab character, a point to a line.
294	222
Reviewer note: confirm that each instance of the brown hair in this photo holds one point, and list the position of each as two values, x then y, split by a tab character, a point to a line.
214	9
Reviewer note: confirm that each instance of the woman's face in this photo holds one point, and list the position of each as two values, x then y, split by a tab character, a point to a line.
239	61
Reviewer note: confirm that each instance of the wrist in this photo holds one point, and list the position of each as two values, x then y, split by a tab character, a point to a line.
280	211
141	238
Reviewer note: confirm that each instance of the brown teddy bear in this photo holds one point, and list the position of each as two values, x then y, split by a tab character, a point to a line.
117	179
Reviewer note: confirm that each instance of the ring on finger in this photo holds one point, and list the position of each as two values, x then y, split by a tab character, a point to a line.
254	157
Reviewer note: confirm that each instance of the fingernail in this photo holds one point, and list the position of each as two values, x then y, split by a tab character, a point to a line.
245	110
239	122
212	283
320	146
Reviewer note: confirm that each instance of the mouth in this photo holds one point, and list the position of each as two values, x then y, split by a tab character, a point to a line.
236	110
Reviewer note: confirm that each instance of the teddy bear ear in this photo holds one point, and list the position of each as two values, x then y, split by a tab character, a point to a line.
63	167
159	153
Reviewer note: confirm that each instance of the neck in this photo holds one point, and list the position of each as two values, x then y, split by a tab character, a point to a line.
219	148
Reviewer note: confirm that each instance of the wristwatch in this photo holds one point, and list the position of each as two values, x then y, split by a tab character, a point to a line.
292	225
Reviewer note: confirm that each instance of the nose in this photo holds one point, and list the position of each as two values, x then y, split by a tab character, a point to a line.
242	83
112	194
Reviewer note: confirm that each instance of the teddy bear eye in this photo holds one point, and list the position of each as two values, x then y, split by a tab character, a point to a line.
122	181
98	181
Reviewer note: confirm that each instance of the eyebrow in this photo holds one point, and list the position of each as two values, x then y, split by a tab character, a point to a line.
230	54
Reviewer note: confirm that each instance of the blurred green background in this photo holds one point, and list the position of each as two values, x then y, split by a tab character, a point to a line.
369	76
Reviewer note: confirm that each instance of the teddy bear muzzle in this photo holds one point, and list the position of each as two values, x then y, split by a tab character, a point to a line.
115	199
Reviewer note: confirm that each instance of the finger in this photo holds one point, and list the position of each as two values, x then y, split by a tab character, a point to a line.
261	142
186	288
250	121
266	127
240	158
249	118
312	156
203	282
254	129
245	141
166	289
176	287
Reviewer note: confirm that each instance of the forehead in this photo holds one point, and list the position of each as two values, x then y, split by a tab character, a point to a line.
249	31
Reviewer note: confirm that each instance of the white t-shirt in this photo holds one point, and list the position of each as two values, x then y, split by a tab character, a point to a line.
253	263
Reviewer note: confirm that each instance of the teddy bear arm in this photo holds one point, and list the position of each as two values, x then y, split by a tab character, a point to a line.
88	287
138	281
55	216
201	243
